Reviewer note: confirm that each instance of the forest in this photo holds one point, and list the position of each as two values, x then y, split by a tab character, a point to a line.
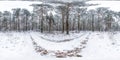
60	16
59	30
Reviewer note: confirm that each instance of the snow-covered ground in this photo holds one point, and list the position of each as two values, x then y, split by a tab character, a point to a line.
100	46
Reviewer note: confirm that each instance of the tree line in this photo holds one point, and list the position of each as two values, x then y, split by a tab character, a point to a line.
64	17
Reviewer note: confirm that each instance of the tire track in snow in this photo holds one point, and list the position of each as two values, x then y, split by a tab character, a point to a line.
73	51
73	43
60	41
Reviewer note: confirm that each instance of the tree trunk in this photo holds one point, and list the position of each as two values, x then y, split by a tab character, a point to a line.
42	20
78	22
67	19
92	22
63	22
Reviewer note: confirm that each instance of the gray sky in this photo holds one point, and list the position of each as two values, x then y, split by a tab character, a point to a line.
59	0
8	5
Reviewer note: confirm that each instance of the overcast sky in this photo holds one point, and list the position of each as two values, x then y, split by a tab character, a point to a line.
8	5
59	0
113	5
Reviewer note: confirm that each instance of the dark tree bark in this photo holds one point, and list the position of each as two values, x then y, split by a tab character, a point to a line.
92	22
63	16
67	18
78	21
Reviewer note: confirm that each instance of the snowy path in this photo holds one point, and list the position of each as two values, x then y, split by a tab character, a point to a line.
64	40
18	46
59	38
58	46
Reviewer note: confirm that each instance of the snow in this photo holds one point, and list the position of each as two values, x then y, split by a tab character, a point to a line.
18	46
101	47
59	46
